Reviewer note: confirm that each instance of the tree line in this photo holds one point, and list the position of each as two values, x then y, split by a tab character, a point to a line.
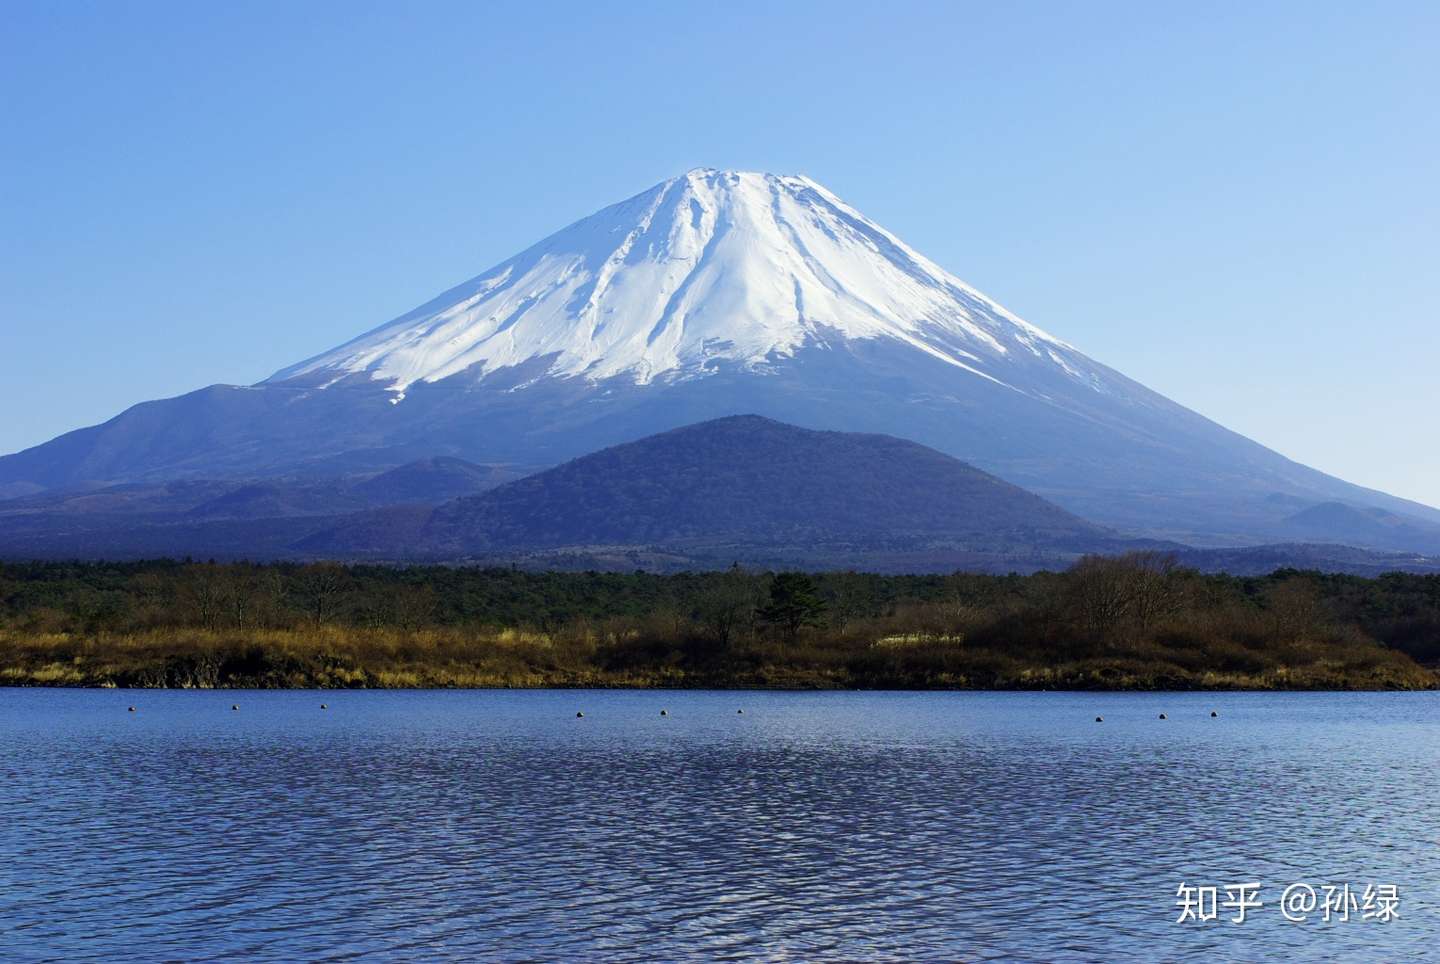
1132	618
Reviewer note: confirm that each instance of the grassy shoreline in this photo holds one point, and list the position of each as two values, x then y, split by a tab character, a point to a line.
371	660
737	687
1130	624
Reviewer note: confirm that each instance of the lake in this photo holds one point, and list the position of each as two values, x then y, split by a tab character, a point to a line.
497	824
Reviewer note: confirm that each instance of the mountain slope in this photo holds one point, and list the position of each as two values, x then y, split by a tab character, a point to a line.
224	518
743	481
1338	522
712	294
433	481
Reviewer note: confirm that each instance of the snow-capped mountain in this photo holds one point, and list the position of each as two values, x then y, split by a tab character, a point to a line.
718	293
707	268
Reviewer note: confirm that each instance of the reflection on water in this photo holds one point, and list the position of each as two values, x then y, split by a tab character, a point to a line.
833	825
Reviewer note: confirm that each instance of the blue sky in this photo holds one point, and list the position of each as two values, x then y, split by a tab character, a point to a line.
1236	204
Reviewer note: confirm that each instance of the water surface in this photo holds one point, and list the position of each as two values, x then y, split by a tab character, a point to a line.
496	824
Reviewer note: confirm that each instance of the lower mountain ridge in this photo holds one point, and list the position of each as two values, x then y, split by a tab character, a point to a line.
745	482
220	517
744	489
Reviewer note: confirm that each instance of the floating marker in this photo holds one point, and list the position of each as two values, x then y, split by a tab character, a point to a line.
1099	719
1162	716
324	706
234	706
132	709
579	715
1213	713
739	711
664	712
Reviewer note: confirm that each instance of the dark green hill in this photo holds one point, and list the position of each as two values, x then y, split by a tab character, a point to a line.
748	480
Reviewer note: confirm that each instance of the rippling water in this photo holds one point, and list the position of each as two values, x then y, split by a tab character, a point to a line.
812	826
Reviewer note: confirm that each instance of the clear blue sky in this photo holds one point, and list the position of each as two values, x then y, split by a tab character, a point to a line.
1237	204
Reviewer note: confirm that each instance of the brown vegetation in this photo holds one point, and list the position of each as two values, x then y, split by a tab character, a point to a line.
1132	622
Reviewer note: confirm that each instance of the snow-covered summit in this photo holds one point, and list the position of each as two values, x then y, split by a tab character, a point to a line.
706	268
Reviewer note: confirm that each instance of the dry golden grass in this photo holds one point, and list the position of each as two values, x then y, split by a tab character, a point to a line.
1049	631
329	656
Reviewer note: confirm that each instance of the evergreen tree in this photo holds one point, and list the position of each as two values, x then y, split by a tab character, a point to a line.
794	604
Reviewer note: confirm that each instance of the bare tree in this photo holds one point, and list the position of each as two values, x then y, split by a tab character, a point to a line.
1098	593
321	586
204	594
727	605
267	606
848	597
1159	591
242	594
1135	590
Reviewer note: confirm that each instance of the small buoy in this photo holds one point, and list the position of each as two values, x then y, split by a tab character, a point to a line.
1213	713
579	715
664	712
132	709
324	706
1099	719
1162	716
740	711
234	706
